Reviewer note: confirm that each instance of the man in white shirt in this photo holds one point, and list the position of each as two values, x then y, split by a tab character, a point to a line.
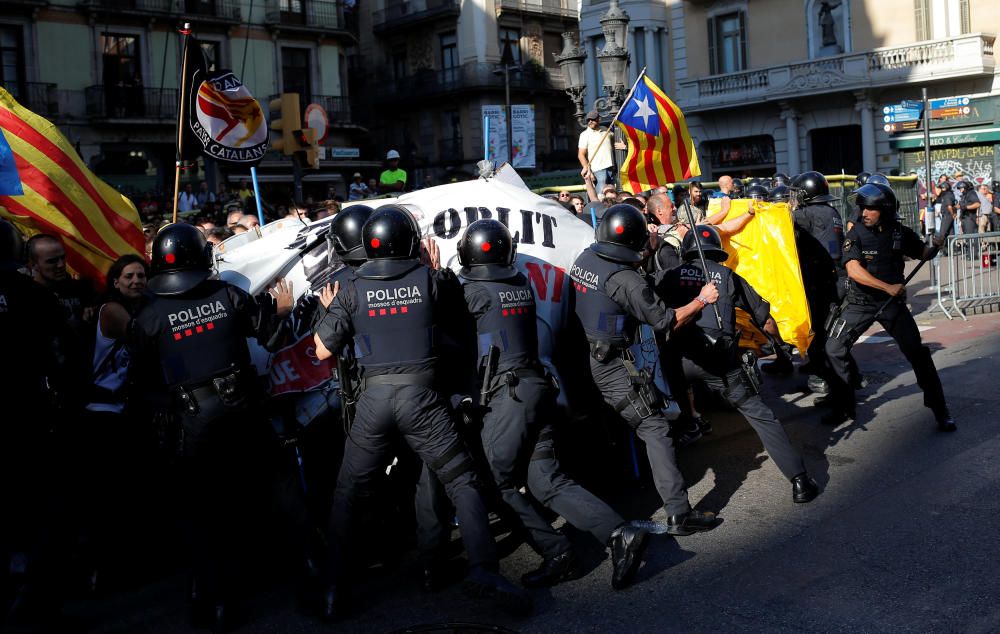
187	200
596	162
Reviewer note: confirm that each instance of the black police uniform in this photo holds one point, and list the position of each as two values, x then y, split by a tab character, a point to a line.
517	420
969	197
719	365
612	298
198	340
396	322
881	250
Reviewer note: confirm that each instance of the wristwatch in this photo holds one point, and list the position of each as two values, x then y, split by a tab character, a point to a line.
704	302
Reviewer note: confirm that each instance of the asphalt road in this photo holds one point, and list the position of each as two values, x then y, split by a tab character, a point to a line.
903	537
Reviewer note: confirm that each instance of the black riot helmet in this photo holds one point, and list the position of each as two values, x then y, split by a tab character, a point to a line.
781	179
861	179
878	178
486	251
814	187
710	241
391	237
757	192
945	186
181	260
780	194
11	243
879	197
754	181
963	186
737	191
622	234
345	232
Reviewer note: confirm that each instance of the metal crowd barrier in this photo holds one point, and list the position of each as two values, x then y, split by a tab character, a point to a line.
968	275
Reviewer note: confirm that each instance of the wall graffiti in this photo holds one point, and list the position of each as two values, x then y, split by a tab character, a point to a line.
975	163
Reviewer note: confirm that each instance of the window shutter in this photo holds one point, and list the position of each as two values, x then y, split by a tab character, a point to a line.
713	57
921	14
963	8
743	41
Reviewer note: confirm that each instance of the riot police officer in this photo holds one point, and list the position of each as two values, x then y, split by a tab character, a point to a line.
816	221
712	355
518	399
611	299
854	216
191	339
395	310
737	191
875	251
968	205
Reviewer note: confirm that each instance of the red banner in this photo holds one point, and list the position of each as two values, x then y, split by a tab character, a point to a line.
296	368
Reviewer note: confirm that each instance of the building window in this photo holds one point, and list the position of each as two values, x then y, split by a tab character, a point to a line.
941	19
296	73
749	156
213	54
122	75
552	44
514	37
12	60
400	67
727	46
449	56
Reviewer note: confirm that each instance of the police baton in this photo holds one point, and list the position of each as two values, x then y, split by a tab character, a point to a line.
701	256
906	281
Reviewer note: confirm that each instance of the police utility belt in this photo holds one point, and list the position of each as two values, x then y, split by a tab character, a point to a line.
231	389
510	378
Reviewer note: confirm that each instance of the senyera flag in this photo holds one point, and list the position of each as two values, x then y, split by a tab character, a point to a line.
46	188
223	120
660	149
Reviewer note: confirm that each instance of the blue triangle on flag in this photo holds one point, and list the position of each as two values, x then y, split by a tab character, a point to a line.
10	180
640	112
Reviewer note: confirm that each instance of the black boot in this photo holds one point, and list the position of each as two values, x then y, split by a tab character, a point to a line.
838	416
691	522
483	583
553	570
817	385
627	544
804	488
780	365
945	421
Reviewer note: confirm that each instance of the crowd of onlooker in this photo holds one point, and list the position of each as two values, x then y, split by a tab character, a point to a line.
974	207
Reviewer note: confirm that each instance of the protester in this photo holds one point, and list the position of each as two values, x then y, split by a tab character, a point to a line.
595	157
357	190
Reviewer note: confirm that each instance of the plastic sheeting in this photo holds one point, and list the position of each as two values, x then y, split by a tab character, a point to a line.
764	254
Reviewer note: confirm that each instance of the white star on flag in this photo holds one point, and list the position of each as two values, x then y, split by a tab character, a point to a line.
644	112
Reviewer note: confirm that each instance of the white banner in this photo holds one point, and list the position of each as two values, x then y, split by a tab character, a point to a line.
522	133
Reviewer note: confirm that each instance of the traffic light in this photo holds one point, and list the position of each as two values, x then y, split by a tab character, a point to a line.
308	153
290	122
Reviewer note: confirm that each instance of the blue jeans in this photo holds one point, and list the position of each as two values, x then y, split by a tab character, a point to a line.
602	178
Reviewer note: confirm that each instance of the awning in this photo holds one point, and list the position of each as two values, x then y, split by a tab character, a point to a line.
944	139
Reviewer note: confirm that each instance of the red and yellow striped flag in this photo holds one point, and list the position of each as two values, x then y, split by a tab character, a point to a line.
60	196
660	150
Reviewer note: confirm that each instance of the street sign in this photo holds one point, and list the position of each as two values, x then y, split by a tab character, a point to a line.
345	152
316	118
950	112
902	115
907	104
905	126
948	102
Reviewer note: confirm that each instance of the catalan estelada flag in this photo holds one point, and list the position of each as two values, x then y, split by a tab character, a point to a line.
660	150
46	188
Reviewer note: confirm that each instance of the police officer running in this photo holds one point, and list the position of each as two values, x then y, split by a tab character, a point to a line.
874	252
611	299
712	355
191	339
519	400
396	310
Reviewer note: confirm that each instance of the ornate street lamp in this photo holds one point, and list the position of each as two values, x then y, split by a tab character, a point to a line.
613	58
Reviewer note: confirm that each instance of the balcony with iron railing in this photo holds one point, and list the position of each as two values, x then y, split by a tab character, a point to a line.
409	13
967	56
40	98
338	109
556	8
131	103
467	77
311	15
221	10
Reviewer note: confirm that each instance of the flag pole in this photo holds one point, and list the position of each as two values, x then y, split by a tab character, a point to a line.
611	126
186	31
256	195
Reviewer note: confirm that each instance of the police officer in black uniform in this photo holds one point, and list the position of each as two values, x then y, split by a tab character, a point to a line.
854	216
519	401
612	298
968	206
712	355
396	310
191	339
874	252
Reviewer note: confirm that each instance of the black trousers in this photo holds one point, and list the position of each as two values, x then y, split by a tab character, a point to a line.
518	445
899	323
420	415
613	381
733	388
229	457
